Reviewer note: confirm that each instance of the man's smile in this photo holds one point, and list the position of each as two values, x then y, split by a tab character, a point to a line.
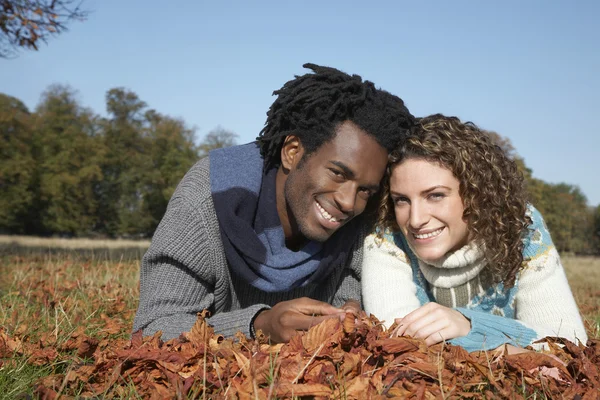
328	220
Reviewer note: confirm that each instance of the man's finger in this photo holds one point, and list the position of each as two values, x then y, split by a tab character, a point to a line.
305	322
352	306
315	307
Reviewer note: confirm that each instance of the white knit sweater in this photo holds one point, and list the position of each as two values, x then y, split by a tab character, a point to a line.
395	282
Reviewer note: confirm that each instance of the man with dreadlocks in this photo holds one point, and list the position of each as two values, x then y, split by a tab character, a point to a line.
268	235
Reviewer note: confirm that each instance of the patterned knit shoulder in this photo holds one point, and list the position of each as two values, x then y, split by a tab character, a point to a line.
390	243
539	252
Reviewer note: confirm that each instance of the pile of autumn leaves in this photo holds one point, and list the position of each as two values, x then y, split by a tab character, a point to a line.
353	359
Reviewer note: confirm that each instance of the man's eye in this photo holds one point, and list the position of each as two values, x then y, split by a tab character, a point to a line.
337	173
366	192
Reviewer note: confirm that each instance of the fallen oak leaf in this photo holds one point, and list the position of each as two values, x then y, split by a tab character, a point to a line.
349	323
355	388
432	371
86	347
397	345
325	334
533	362
320	371
201	331
302	389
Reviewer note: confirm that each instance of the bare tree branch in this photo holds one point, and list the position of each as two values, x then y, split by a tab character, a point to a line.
26	23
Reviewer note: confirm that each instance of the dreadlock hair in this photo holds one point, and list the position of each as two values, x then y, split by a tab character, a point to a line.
312	105
491	187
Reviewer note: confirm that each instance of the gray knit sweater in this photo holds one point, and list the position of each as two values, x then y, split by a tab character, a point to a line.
185	271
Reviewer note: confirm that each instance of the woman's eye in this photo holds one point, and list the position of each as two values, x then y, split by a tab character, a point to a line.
436	196
400	200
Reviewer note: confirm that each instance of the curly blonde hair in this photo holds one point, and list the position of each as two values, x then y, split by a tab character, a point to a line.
491	188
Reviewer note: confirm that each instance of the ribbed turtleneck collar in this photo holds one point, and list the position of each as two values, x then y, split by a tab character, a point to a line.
455	268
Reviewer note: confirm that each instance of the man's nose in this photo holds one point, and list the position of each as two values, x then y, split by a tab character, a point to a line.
346	198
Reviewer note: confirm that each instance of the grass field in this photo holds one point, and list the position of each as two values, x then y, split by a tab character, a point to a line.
50	303
97	249
584	277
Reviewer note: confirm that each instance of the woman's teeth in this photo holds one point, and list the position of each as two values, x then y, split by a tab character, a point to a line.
428	235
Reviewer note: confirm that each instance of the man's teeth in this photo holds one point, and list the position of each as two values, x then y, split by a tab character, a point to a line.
325	214
428	235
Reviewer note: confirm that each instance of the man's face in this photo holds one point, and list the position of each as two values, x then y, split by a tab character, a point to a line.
326	189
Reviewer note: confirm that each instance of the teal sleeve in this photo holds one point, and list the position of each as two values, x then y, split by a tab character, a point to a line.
490	331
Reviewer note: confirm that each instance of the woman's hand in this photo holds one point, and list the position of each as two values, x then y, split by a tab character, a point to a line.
434	323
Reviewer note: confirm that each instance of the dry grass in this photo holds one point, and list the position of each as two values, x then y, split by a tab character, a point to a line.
68	244
48	300
584	277
45	299
97	249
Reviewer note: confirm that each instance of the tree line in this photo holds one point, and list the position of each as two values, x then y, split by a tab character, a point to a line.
67	171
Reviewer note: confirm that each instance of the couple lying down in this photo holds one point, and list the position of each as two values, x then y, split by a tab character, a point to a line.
270	235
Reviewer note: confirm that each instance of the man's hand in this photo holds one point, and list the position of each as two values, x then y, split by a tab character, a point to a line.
434	323
351	306
287	317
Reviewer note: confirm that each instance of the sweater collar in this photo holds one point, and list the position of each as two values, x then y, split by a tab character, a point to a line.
455	268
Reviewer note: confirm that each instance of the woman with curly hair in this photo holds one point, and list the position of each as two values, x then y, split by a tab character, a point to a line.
459	255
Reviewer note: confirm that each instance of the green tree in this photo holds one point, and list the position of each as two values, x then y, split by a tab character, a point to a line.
566	213
26	23
68	162
596	215
17	166
216	139
125	166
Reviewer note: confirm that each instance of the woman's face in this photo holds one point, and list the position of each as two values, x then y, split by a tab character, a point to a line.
428	207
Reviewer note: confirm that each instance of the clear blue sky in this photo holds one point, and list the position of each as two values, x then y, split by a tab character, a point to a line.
529	70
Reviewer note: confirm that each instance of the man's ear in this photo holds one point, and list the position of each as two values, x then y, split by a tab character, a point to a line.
291	152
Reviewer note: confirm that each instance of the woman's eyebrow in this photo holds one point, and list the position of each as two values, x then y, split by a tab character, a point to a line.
431	189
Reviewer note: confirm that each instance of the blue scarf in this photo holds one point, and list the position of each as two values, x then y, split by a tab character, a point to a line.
253	239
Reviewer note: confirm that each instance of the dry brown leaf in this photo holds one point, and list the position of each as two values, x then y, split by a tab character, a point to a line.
322	335
397	345
290	390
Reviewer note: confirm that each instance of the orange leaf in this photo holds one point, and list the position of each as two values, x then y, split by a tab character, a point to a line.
299	390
